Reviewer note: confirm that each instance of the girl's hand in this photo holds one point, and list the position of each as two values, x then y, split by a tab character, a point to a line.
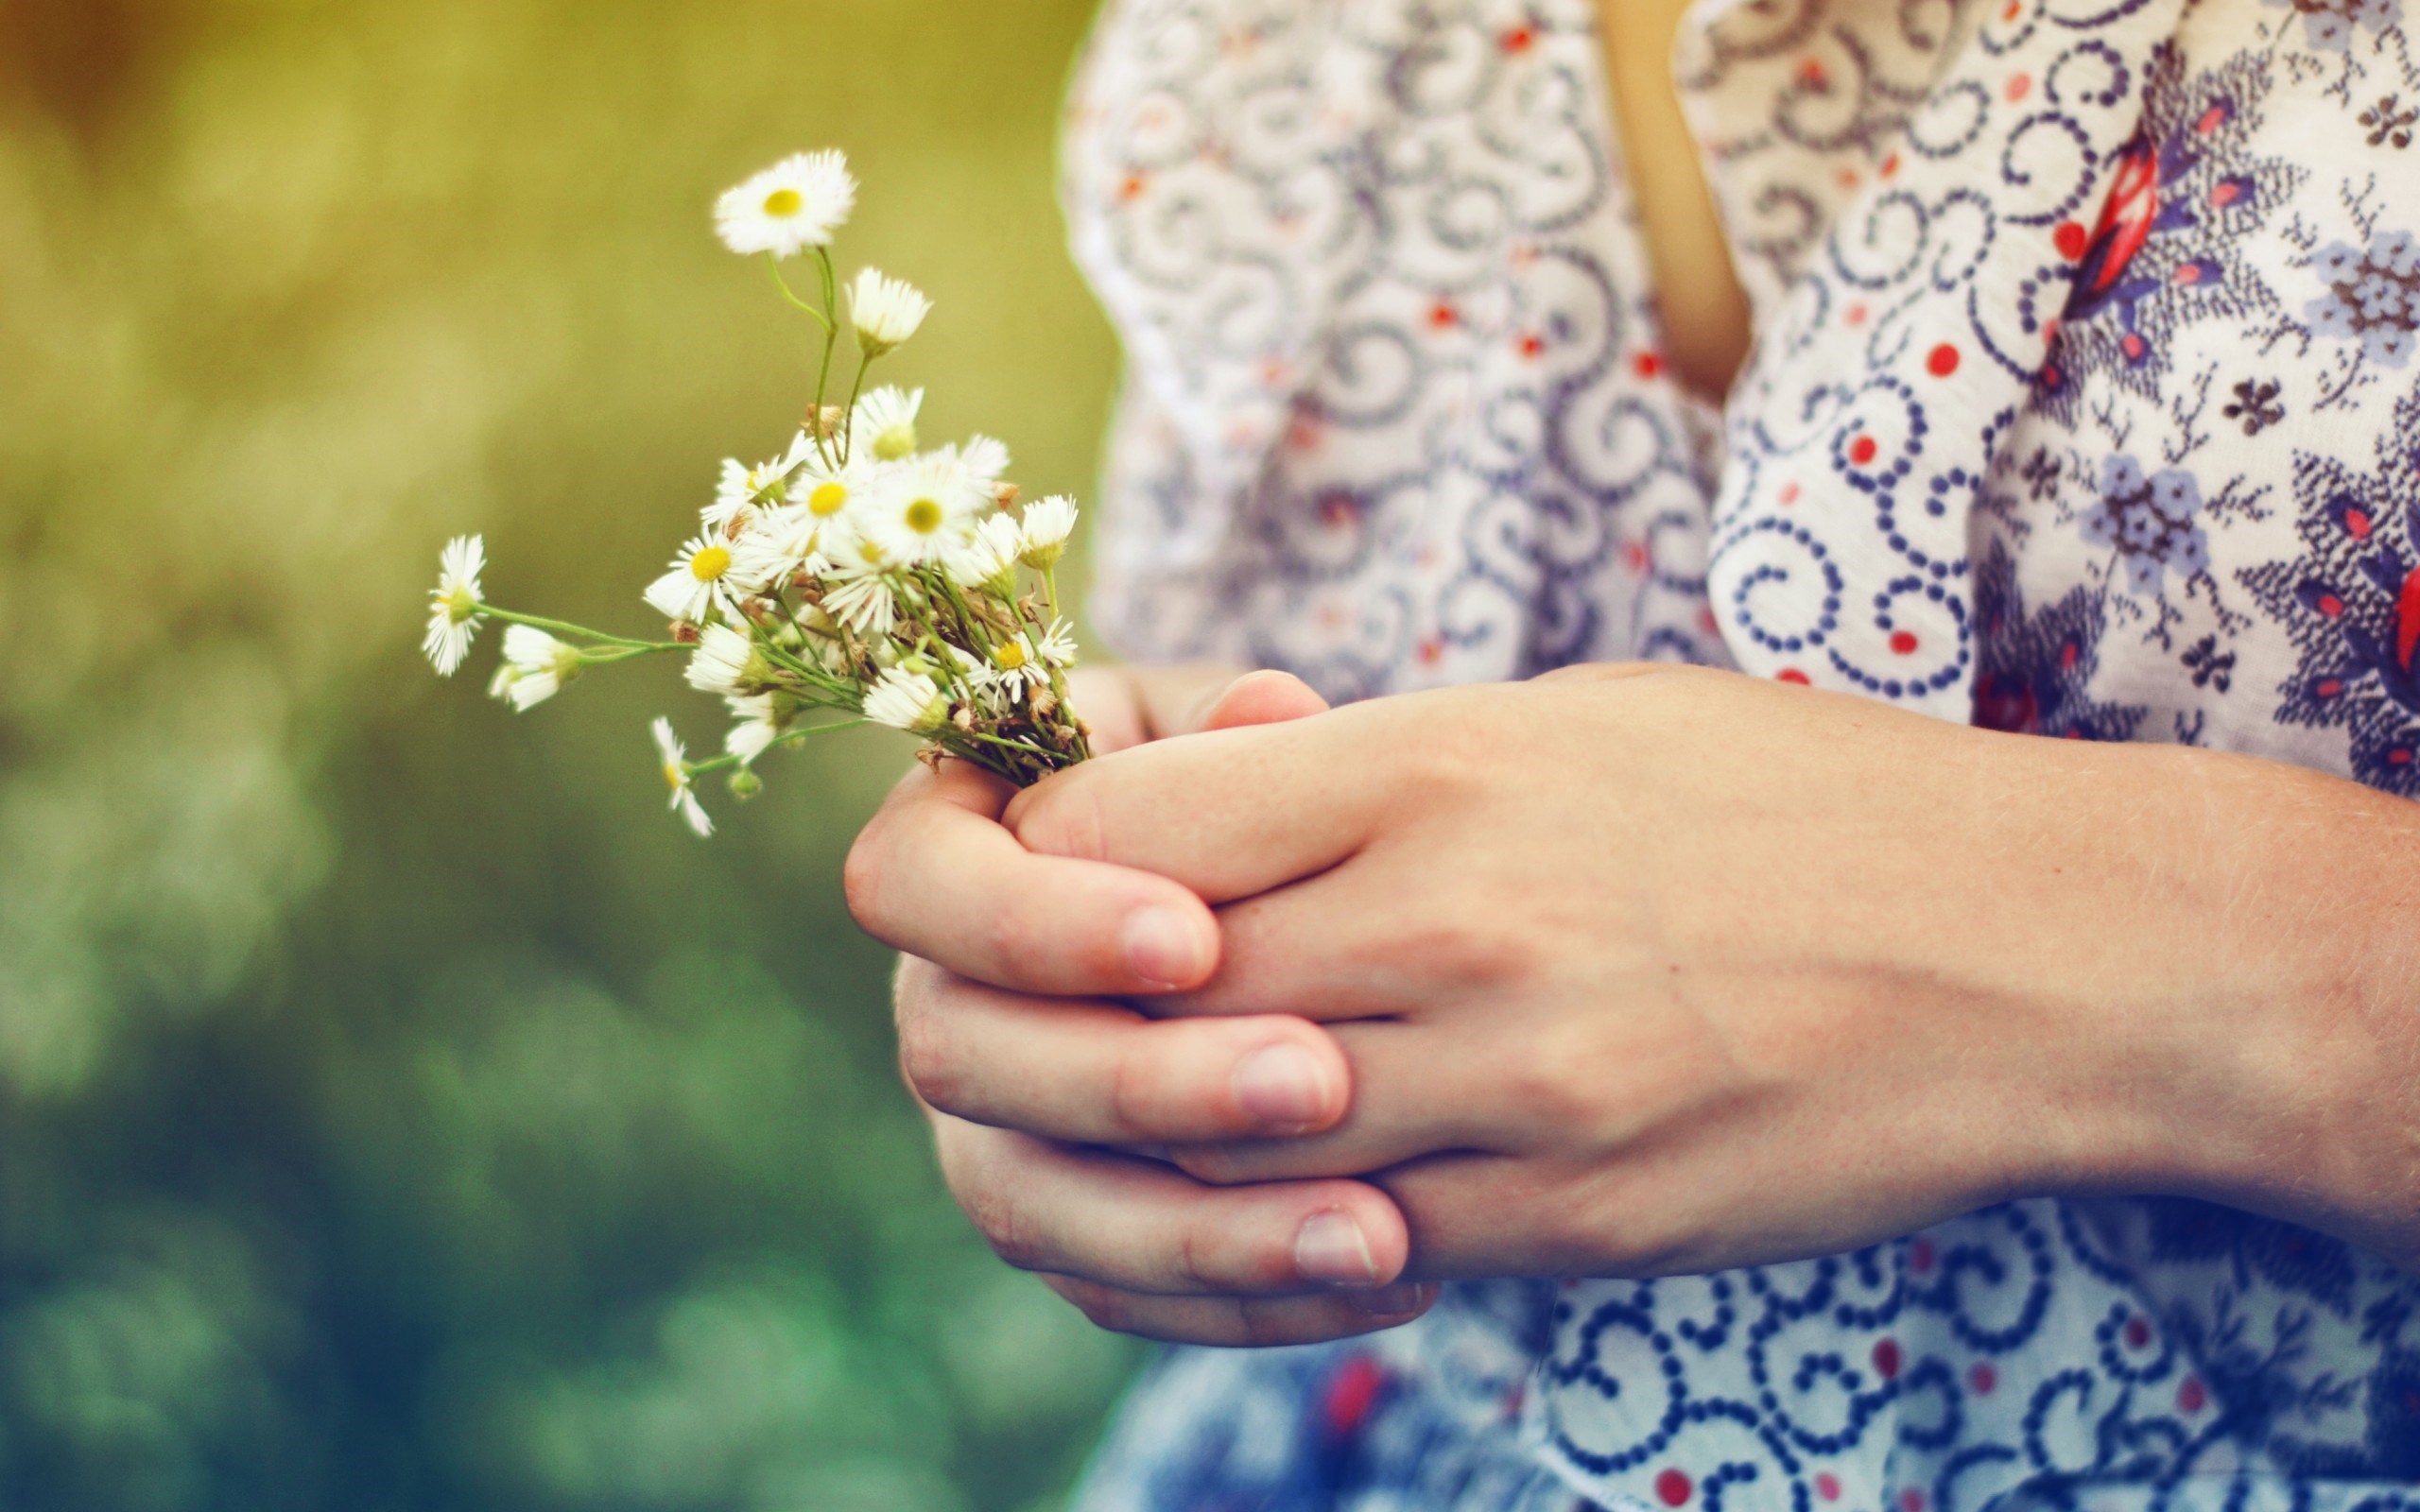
1009	1036
1646	971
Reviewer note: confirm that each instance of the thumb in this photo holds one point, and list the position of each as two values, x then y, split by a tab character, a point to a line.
1255	698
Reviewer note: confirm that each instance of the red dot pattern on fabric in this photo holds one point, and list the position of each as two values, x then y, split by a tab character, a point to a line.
1861	450
1672	1487
1886	1359
1791	675
1350	1393
2192	1396
1518	40
2071	239
1943	361
1648	363
1911	1499
2019	86
1827	1485
1903	643
2139	1332
1982	1378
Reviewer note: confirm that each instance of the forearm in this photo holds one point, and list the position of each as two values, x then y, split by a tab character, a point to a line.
2240	983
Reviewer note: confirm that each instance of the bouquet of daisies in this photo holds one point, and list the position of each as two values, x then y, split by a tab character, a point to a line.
854	572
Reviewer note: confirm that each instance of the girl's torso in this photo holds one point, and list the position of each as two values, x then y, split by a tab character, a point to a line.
2081	402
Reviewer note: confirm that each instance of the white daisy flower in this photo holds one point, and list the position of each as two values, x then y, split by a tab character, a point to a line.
675	777
1058	644
884	310
863	597
791	206
454	603
907	701
725	662
822	495
988	559
1023	663
536	666
764	717
884	423
1047	525
744	491
923	509
775	544
984	460
700	581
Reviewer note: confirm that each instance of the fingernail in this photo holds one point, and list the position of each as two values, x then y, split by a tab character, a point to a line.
1163	947
1329	1247
1386	1301
1281	1085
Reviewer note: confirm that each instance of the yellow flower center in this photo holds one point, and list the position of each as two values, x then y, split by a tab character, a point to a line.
1009	657
710	565
460	606
783	203
873	554
894	444
674	778
924	517
827	498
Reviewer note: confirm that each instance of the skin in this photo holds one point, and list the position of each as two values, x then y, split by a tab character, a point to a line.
1626	972
1247	1037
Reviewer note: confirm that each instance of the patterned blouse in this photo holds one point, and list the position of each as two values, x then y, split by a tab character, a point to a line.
2082	404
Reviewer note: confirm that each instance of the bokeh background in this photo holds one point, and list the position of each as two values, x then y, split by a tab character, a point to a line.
398	1109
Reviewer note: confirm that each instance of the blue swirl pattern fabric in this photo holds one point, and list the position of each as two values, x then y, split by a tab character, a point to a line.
2082	404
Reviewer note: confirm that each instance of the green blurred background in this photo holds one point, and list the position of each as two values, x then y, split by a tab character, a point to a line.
398	1109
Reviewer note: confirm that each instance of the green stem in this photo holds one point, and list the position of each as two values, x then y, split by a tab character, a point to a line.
849	421
831	336
564	627
717	763
782	284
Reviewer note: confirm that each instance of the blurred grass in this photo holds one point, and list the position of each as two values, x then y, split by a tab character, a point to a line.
397	1108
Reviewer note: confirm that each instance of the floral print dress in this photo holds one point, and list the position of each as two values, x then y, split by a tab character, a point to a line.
2084	403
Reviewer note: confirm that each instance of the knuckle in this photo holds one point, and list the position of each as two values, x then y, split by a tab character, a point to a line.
926	1057
1188	1263
1447	766
1138	1093
1555	1080
861	875
1005	941
1063	819
1473	953
1105	1307
1004	1224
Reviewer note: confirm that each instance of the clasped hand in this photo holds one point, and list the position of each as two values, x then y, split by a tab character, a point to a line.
1245	1037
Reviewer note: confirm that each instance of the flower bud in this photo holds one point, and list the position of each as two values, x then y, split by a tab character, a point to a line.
684	633
745	785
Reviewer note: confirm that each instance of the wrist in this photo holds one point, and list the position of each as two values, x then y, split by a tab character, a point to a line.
2273	1071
